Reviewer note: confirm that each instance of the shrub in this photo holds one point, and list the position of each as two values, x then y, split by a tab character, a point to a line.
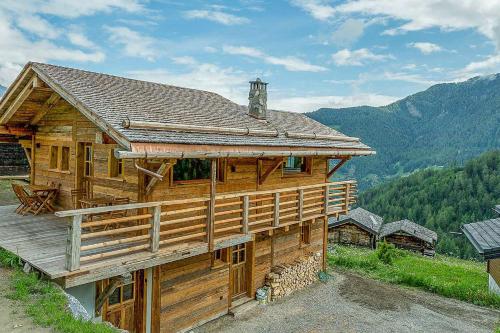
386	252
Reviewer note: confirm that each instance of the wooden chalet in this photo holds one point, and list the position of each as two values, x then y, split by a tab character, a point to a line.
485	236
194	199
409	235
358	227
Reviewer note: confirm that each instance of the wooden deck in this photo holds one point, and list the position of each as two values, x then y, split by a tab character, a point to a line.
41	241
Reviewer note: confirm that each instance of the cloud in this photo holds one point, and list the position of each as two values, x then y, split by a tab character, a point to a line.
358	57
348	32
133	43
70	8
447	15
320	10
426	48
290	63
312	103
216	16
227	82
488	65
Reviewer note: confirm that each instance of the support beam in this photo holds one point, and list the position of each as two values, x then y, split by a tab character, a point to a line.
277	163
23	95
211	205
74	242
162	171
336	167
246	206
155	229
114	283
49	104
148	172
28	156
276	221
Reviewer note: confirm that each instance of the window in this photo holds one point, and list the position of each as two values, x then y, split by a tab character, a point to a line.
115	166
65	152
297	165
54	154
219	257
59	158
197	169
123	294
87	167
305	234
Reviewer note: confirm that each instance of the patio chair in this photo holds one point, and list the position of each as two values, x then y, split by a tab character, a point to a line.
20	197
76	195
31	203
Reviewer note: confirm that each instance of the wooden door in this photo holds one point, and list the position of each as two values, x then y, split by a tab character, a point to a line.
239	283
84	167
122	308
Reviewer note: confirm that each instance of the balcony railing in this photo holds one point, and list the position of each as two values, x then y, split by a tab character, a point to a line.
96	234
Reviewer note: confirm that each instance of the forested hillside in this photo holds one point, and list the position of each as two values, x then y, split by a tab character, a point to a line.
445	124
442	199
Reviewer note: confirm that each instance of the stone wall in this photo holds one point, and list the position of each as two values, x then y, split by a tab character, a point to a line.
285	279
350	234
12	160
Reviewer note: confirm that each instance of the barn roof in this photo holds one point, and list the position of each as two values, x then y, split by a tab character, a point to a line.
410	228
110	100
360	217
485	236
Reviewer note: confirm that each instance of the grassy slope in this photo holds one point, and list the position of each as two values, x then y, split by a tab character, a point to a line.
451	277
44	302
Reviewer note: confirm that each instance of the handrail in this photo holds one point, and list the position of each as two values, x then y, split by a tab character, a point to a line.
100	210
171	222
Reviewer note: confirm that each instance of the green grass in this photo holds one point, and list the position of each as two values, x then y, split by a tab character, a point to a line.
44	302
451	277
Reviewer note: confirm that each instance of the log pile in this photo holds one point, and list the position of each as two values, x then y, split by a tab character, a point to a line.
285	279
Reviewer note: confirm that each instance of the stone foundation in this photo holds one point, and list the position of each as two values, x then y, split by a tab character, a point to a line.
285	279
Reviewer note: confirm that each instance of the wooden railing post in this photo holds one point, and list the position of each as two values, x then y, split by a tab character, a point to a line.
155	229
246	206
326	199
211	205
276	221
74	242
347	197
301	205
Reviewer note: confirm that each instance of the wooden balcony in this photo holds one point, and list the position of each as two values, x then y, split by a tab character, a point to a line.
106	241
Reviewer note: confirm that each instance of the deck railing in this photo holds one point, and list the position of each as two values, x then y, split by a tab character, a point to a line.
99	233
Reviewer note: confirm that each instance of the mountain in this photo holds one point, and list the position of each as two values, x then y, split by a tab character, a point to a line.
442	199
2	90
447	123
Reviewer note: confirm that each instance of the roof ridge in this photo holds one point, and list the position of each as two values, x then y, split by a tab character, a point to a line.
127	78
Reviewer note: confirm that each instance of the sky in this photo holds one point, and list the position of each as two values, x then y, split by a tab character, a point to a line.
313	53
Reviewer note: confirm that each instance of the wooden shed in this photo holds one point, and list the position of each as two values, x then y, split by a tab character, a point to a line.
191	200
485	236
409	235
358	227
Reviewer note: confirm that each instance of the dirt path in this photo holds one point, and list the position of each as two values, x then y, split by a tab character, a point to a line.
12	317
350	303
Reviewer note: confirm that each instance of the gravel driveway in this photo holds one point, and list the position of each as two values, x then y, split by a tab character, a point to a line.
350	303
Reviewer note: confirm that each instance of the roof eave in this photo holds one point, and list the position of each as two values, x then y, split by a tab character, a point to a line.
101	124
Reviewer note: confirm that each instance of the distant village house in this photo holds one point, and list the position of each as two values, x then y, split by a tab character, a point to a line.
359	227
409	235
485	236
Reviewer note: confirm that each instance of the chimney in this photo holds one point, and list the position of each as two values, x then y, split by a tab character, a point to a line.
257	99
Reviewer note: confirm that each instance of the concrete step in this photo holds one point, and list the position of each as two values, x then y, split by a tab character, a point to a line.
241	306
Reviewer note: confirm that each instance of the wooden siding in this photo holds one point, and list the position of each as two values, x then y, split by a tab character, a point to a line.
65	126
408	242
191	291
494	269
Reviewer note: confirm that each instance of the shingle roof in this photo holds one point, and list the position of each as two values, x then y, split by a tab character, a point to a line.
361	217
113	99
485	236
410	228
497	209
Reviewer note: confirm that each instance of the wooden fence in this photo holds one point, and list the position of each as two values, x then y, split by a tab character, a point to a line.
99	233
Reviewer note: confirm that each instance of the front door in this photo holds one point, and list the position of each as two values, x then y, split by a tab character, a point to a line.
239	284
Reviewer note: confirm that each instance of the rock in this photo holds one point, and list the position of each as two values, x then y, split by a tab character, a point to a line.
76	308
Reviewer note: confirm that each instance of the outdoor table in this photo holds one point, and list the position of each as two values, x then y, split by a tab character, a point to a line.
96	202
46	195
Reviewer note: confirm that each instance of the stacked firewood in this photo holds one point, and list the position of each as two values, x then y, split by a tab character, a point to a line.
285	279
